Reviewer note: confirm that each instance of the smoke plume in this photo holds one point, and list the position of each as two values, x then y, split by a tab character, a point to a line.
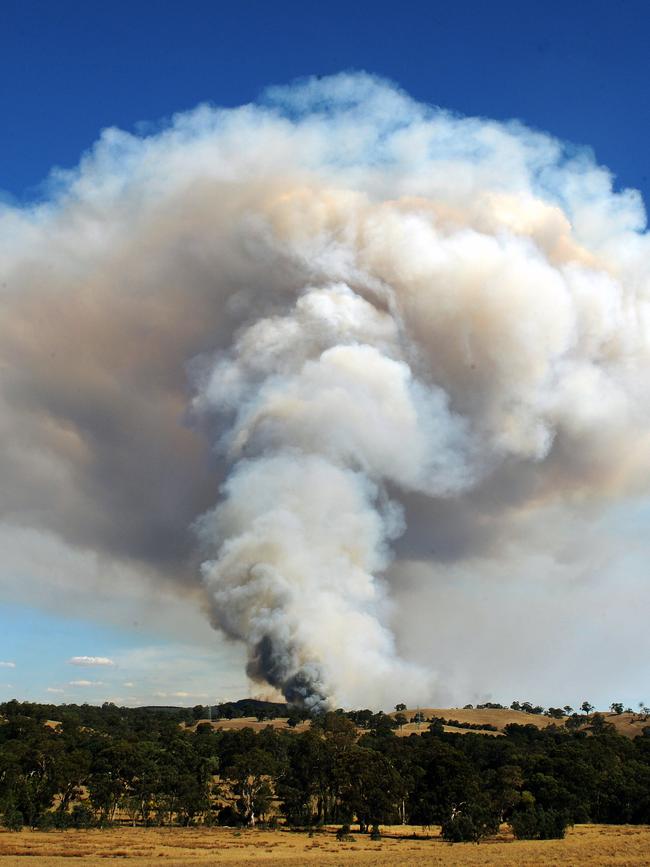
306	347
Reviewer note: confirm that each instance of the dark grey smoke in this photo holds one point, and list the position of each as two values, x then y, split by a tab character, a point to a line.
273	662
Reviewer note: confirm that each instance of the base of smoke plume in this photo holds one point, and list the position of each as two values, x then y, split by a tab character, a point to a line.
273	664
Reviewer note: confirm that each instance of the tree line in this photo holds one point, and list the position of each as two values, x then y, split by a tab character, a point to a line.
104	764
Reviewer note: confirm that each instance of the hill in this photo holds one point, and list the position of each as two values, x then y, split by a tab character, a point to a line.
630	725
249	722
486	721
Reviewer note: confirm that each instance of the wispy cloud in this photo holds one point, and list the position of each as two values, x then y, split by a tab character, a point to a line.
7	664
86	683
54	689
90	660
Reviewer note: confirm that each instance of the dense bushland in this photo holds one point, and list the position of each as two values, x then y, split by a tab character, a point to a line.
140	766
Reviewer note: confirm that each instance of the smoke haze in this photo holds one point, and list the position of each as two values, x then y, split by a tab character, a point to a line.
332	363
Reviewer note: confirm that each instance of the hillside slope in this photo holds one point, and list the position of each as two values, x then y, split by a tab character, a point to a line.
628	724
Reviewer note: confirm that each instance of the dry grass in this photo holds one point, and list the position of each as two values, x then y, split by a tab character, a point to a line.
630	725
623	845
249	722
487	716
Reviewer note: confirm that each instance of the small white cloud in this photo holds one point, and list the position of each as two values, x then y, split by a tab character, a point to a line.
128	684
86	683
90	660
54	689
7	664
180	694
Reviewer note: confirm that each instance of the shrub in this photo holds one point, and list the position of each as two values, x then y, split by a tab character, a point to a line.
525	825
81	816
454	723
375	834
552	824
536	823
13	819
229	816
343	834
45	822
473	823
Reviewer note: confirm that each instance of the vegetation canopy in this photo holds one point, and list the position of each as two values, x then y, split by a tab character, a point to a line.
155	766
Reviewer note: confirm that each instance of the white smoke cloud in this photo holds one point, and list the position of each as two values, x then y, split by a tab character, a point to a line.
391	335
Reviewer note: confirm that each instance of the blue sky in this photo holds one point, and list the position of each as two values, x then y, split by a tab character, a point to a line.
69	69
25	628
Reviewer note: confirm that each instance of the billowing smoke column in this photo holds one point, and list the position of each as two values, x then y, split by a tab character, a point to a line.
326	412
366	319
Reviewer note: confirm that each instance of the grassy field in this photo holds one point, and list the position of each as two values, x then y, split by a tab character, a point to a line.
250	722
628	724
585	844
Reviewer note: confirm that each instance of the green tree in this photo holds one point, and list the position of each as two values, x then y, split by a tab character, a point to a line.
471	821
304	782
370	788
250	775
537	823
